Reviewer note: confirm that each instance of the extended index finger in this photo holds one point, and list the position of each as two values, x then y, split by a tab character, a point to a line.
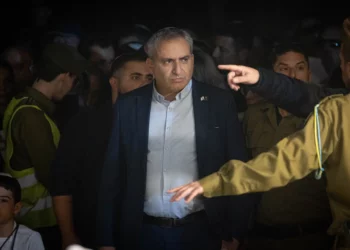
230	67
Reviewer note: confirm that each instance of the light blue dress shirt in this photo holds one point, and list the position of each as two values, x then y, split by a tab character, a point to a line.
172	158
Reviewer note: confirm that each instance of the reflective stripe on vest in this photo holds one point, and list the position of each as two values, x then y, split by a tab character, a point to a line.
37	208
27	181
41	204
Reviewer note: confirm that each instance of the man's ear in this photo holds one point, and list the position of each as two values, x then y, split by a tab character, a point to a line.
149	63
61	77
18	207
114	82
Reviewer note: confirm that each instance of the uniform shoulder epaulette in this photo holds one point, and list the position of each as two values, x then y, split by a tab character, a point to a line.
259	106
327	98
256	111
265	106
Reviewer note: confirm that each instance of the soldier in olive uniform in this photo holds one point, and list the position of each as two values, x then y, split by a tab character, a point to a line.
321	146
295	216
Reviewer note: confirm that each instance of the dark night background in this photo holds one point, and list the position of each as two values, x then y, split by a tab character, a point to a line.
203	16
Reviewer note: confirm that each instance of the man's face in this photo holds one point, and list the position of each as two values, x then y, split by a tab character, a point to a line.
225	51
65	84
293	64
172	66
8	208
102	57
22	65
133	75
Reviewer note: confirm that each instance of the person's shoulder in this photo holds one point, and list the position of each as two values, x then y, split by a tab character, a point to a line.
337	100
215	95
333	106
29	113
142	91
26	232
260	107
213	90
256	112
29	239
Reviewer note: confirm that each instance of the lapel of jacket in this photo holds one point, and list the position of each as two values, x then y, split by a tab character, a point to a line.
143	109
201	107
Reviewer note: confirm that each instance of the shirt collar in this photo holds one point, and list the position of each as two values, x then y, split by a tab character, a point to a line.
41	100
158	97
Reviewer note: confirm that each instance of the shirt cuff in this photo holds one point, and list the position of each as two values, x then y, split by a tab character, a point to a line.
211	184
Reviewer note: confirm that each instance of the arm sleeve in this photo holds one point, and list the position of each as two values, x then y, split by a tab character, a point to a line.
32	131
292	158
291	94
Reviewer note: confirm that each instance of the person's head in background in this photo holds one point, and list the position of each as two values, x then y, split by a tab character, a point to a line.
206	71
93	88
67	32
233	43
288	59
98	50
129	71
10	201
345	55
346	26
6	85
21	61
58	70
331	41
134	37
291	60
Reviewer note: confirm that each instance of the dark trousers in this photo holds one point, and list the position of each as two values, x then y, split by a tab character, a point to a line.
193	236
51	237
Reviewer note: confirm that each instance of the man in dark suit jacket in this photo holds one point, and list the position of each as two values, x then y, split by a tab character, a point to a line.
164	135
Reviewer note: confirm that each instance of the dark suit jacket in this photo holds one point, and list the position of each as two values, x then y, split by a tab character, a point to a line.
219	138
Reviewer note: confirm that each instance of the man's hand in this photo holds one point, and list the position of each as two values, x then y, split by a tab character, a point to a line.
189	192
230	245
69	240
77	247
240	75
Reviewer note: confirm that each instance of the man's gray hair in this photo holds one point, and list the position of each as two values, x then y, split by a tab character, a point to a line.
166	34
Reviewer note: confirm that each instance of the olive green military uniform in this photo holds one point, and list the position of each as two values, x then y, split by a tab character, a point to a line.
282	211
32	136
295	157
